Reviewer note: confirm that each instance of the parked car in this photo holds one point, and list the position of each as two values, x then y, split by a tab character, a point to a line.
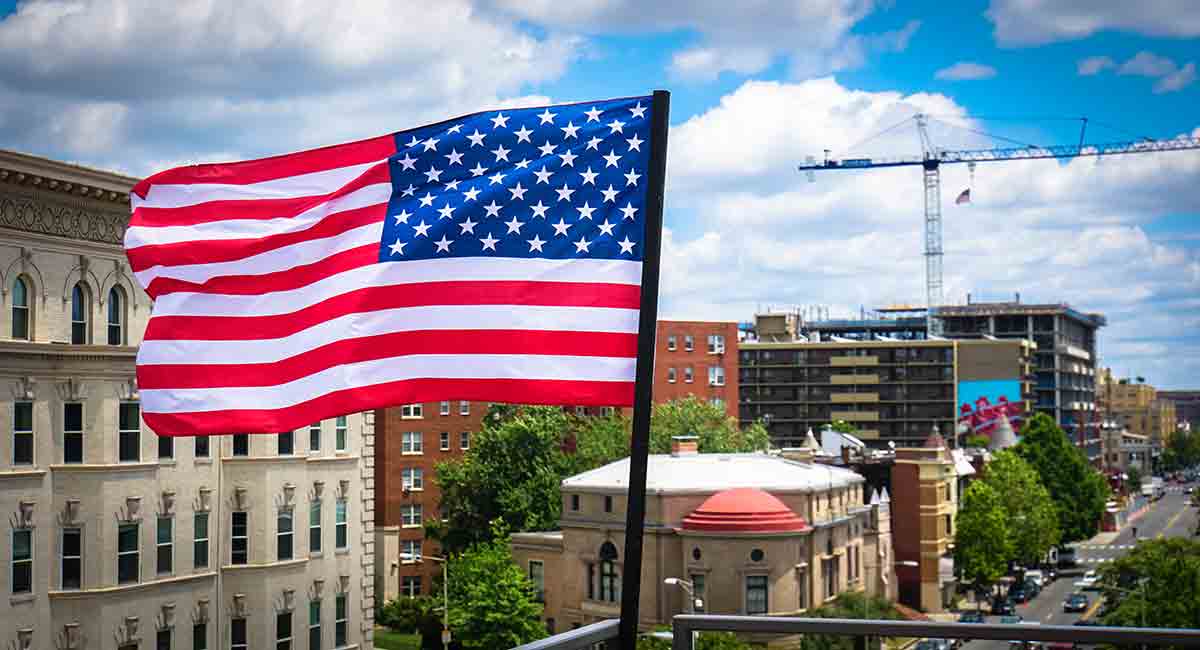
935	644
1037	576
1019	593
1076	602
1090	581
1033	588
1011	619
971	617
1003	607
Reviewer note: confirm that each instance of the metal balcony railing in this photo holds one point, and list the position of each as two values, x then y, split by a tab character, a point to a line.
861	630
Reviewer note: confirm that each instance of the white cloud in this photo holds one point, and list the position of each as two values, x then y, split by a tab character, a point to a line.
1095	65
748	230
1035	22
965	71
1147	64
1177	80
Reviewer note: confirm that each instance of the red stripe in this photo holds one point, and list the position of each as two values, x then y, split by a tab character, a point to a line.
265	169
246	328
410	391
230	250
293	278
225	210
396	344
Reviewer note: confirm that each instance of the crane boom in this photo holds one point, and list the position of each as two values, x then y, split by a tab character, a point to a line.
931	160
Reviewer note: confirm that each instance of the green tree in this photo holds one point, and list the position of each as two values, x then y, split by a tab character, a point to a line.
842	426
978	441
1027	506
982	541
851	605
491	601
1157	584
1134	481
704	641
416	615
717	432
1077	489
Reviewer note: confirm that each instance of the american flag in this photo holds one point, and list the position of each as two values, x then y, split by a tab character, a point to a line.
491	257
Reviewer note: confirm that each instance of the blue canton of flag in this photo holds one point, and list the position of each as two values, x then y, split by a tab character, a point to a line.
562	182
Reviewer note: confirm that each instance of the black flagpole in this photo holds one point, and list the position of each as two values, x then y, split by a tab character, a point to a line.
631	577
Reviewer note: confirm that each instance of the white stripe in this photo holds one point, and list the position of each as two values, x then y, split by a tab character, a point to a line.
388	274
407	319
136	236
311	184
369	373
279	259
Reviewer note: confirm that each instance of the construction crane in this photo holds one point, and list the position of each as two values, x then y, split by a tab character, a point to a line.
931	160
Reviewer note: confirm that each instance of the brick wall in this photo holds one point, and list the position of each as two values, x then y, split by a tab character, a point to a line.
698	359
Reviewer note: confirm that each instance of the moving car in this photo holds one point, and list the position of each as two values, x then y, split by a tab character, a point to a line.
1076	602
971	617
1033	588
1019	593
1037	576
1090	581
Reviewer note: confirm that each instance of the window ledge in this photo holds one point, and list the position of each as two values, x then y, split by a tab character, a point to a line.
18	599
264	565
330	459
316	555
341	551
202	461
72	594
104	467
23	473
167	462
239	460
412	453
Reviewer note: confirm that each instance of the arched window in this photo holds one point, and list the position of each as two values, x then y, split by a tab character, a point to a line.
609	586
116	316
80	310
20	309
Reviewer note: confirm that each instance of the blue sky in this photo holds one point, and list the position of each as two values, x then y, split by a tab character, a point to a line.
756	86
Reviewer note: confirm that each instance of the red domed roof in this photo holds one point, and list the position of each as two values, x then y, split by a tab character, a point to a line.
743	510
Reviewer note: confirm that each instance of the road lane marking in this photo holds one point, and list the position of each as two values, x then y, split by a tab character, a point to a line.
1091	610
1171	522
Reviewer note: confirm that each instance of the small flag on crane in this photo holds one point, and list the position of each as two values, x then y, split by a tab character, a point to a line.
965	197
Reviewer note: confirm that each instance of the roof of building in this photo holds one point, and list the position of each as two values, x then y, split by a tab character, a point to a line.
743	510
1021	309
708	473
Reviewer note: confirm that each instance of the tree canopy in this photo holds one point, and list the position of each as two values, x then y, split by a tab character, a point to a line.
1077	489
982	541
717	432
1183	450
1027	507
491	601
1157	584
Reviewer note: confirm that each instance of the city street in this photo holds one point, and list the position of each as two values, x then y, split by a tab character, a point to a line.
1171	516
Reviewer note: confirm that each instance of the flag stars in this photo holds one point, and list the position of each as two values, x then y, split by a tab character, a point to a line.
523	135
564	193
581	246
535	244
638	111
501	153
407	162
610	195
500	120
398	247
569	130
493	209
606	228
478	170
611	159
431	144
593	115
543	176
589	176
489	242
446	212
546	148
454	129
443	245
560	228
452	185
454	157
539	210
615	125
427	200
628	211
635	143
496	178
470	194
514	226
402	217
421	229
522	163
408	191
568	158
434	174
594	143
626	246
517	192
631	178
547	117
414	142
476	138
468	226
585	211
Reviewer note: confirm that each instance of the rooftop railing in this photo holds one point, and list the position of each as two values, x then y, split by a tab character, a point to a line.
861	630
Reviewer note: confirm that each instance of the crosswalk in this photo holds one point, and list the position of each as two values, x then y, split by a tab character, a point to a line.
1106	547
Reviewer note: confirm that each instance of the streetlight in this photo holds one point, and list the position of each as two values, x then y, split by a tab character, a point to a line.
692	601
409	557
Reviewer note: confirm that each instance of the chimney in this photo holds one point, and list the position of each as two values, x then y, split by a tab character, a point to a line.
685	445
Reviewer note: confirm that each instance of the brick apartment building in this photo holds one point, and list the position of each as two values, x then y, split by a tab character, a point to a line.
693	358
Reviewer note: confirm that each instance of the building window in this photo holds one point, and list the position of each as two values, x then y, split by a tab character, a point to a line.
608	573
166	448
700	603
164	545
410	586
575	502
283	535
716	376
717	402
283	631
286	447
671	342
412	478
314	625
72	558
411	442
162	640
537	575
444	441
607	411
116	316
339	433
341	534
608	504
689	375
200	540
22	433
22	561
410	551
580	411
444	408
716	344
464	440
671	375
341	620
802	579
949	526
241	444
591	581
200	636
201	443
411	411
410	515
128	555
757	555
756	595
314	437
73	432
829	568
239	545
79	314
464	407
237	634
689	343
314	527
20	310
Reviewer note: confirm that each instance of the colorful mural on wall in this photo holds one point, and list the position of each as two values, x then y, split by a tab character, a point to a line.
981	404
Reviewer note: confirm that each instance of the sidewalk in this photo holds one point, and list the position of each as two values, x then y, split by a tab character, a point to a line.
1131	514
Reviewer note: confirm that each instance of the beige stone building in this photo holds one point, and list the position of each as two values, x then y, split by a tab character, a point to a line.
118	539
754	533
1137	407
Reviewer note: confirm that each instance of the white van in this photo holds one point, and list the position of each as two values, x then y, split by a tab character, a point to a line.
1037	576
